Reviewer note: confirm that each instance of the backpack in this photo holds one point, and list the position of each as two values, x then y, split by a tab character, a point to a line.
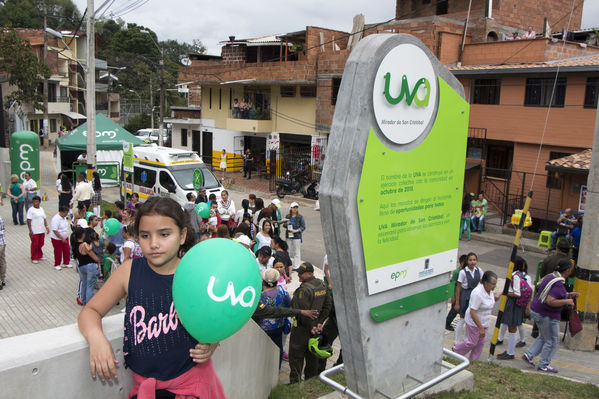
525	291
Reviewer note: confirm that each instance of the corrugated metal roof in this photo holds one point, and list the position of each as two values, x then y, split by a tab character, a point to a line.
258	41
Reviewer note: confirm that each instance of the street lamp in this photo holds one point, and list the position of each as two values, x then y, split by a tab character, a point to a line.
90	94
161	119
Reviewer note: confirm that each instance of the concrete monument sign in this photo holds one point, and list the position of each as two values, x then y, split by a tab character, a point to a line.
392	187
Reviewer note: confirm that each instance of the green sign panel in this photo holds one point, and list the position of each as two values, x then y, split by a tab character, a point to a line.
128	157
25	155
410	189
108	171
198	179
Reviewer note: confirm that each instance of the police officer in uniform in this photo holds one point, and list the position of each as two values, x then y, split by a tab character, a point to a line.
311	294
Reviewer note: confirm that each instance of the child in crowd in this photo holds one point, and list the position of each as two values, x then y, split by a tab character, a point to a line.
454	279
146	282
468	279
130	248
109	262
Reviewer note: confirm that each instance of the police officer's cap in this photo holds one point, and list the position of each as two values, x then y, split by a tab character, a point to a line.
305	267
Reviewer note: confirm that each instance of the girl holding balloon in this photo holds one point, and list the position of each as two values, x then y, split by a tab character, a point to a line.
168	354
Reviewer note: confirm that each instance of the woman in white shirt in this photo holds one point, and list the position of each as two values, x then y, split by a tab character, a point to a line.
245	210
30	190
478	316
264	236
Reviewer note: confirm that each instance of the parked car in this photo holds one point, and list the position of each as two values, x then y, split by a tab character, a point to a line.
152	135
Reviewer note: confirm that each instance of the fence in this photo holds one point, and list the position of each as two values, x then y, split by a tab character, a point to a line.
506	190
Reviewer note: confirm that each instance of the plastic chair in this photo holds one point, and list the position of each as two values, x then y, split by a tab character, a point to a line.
466	221
544	239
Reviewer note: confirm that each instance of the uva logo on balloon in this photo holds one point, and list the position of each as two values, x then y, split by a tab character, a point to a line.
230	293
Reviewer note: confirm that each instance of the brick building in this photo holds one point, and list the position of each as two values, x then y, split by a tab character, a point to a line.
507	82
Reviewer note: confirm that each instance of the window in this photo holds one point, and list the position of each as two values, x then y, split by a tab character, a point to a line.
485	91
144	177
553	179
307	91
442	7
590	95
53	125
167	182
210	100
335	90
287	91
230	98
538	92
220	98
183	137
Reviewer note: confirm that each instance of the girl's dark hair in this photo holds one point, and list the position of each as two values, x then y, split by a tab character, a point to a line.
81	206
89	235
463	260
242	228
119	205
91	217
271	226
222	231
488	276
520	265
108	213
65	182
168	207
471	254
259	204
97	183
466	203
135	195
279	242
245	204
212	197
252	196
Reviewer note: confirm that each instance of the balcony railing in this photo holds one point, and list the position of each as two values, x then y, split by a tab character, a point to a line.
255	114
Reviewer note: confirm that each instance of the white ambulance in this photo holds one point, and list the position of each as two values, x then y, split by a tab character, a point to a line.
168	172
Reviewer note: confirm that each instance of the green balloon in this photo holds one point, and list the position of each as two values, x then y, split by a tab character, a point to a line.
216	289
87	215
112	226
203	210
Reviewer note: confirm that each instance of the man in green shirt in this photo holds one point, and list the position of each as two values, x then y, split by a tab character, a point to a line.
480	211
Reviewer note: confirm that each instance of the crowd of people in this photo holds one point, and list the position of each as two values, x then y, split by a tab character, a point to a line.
475	299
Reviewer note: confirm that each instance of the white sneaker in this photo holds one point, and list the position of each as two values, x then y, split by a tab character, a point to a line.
43	258
34	261
68	266
57	267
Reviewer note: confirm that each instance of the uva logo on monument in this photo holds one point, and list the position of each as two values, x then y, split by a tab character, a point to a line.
110	133
230	293
405	91
405	107
25	165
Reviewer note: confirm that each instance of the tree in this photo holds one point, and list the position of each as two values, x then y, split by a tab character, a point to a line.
23	70
62	14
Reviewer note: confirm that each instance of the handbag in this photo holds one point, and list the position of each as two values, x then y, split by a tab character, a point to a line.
574	321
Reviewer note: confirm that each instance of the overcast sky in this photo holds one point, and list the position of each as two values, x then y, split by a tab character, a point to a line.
214	21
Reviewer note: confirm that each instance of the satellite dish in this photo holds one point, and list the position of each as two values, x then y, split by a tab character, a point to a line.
184	60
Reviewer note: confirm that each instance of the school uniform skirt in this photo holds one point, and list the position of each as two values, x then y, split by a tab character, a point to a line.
513	313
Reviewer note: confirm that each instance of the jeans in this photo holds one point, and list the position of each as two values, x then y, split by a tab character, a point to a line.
88	275
17	210
547	342
477	222
555	236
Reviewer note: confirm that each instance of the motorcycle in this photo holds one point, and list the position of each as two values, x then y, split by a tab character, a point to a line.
290	185
311	192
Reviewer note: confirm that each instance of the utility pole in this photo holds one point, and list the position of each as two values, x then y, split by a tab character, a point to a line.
151	106
45	133
587	270
160	139
90	94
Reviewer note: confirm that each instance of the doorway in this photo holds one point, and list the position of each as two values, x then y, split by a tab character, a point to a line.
196	141
207	147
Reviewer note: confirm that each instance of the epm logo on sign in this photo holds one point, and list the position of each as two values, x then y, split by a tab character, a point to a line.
410	96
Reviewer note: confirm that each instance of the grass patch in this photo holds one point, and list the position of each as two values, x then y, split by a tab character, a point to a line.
312	388
491	381
107	205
